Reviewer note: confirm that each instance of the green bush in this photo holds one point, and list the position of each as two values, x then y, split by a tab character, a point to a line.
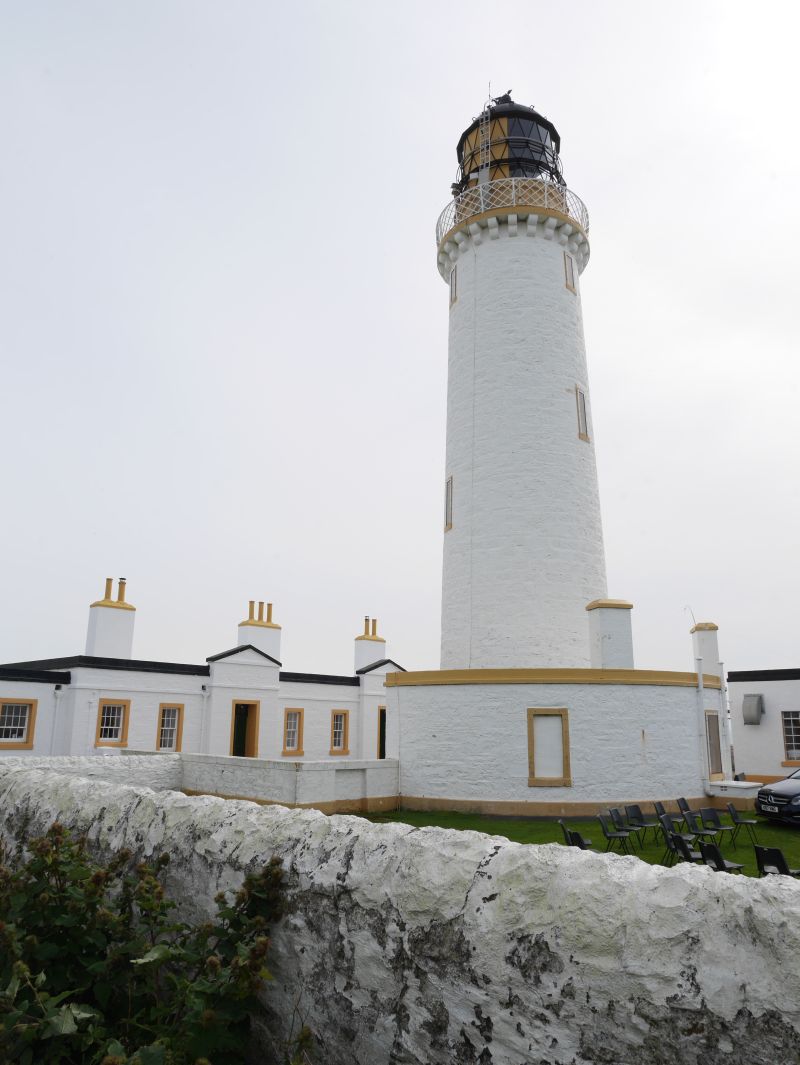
95	970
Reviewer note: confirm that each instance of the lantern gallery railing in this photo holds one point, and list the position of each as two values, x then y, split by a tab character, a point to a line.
511	192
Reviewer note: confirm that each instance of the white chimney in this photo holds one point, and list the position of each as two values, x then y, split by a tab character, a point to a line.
370	647
610	636
261	632
705	645
110	631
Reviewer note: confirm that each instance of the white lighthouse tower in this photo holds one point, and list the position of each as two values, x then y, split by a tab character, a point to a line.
523	543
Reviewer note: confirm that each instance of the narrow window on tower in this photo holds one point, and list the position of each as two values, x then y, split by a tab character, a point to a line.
453	285
448	504
569	271
583	424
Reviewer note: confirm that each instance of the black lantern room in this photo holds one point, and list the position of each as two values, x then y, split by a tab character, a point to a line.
508	140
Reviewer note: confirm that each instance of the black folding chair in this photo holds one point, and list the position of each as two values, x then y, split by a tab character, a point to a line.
684	808
670	825
622	826
695	826
670	855
711	819
636	819
771	861
580	841
612	837
683	851
712	856
742	822
659	809
565	830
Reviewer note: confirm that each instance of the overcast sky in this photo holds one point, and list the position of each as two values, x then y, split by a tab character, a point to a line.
224	338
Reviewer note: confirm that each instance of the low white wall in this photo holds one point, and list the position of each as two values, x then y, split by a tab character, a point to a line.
161	772
294	783
431	947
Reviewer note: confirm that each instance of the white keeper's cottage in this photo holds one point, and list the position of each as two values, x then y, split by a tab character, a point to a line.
537	707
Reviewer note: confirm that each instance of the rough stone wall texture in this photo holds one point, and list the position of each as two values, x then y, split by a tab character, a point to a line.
525	553
430	947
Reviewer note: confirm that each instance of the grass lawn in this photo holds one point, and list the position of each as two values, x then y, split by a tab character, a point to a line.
535	830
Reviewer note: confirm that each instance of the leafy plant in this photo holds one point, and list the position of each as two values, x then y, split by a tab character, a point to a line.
94	969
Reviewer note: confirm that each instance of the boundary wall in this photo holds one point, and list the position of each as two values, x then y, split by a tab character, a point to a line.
428	946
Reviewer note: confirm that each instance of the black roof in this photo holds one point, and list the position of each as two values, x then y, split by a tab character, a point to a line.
319	678
764	674
33	676
242	647
382	662
133	665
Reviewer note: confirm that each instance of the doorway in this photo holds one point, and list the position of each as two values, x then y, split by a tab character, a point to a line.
381	731
244	730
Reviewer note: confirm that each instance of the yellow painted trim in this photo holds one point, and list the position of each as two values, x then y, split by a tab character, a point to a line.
519	209
375	639
565	780
113	603
609	604
253	724
126	714
259	624
791	762
345	748
655	678
27	743
561	808
295	752
178	729
704	626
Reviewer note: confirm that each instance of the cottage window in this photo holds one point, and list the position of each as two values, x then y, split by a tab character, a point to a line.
791	734
340	728
548	747
17	721
170	727
293	732
112	723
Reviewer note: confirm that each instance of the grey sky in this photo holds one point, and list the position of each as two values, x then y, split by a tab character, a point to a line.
223	335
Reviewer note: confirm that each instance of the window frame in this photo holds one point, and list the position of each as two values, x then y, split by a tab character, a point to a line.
293	752
30	723
448	503
125	722
788	761
583	413
569	268
345	748
565	780
453	282
178	727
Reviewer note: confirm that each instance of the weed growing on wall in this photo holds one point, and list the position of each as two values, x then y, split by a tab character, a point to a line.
95	970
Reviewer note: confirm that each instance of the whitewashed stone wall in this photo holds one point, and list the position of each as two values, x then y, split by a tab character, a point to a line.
430	947
627	742
525	553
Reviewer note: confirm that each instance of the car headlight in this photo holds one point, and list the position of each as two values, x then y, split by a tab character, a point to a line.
795	801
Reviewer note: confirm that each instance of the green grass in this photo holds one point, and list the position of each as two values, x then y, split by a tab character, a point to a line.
536	830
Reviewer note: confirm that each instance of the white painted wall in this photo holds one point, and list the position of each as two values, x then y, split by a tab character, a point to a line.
525	552
626	742
759	749
110	632
47	715
611	638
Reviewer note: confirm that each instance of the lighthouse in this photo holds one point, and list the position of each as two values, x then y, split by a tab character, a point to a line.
523	541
